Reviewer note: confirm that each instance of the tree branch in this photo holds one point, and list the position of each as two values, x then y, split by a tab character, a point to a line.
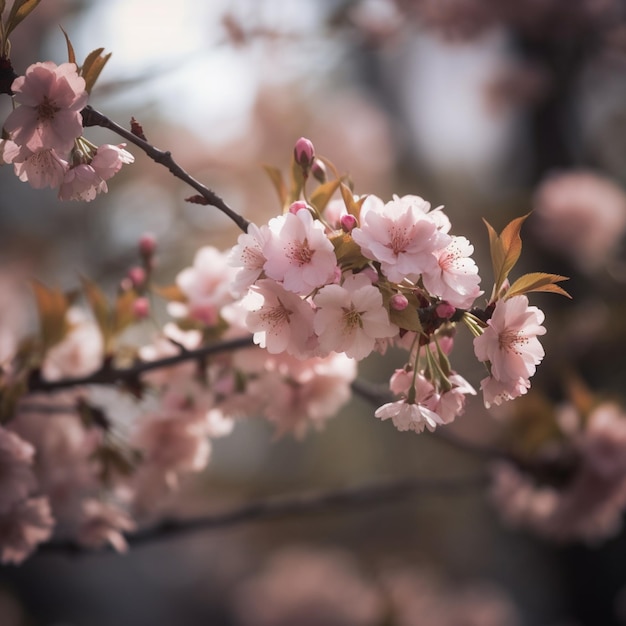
291	505
108	375
91	117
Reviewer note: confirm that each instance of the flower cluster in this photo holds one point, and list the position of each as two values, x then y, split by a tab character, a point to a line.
45	143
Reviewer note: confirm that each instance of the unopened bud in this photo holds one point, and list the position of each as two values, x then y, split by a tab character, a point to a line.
147	245
318	169
348	222
304	154
141	308
445	310
137	276
399	302
297	206
371	273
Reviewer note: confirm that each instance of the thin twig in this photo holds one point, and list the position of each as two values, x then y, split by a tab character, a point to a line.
91	117
108	375
291	505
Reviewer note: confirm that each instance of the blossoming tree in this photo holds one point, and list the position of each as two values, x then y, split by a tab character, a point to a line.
275	326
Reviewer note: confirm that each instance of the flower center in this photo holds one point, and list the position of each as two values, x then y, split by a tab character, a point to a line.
277	315
300	253
398	240
509	341
47	110
351	318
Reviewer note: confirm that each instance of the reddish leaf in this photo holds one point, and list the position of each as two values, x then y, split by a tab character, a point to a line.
322	195
279	184
537	281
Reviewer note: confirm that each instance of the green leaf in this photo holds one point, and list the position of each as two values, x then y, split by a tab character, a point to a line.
322	195
279	184
92	66
52	307
19	10
537	281
71	55
352	206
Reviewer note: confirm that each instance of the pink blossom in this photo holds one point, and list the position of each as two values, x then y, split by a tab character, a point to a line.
510	345
409	416
79	353
206	285
450	404
455	277
81	182
401	235
248	255
103	523
298	253
497	391
44	168
28	523
51	98
351	317
300	394
16	472
280	320
108	160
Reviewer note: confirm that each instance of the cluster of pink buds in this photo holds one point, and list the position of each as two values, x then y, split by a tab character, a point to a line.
45	143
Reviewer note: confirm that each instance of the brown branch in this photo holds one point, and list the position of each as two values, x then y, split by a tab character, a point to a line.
109	375
291	505
91	117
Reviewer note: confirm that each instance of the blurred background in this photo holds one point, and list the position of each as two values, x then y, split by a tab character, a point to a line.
489	107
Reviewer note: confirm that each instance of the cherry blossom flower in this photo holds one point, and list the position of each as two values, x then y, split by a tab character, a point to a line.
351	317
27	524
16	473
51	98
81	182
455	278
280	320
109	158
298	252
450	404
103	523
407	415
510	345
309	587
248	255
79	353
401	235
206	286
44	168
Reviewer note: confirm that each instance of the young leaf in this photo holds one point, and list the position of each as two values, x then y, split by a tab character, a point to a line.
71	55
123	314
100	307
279	184
537	281
19	10
297	182
172	293
92	66
52	307
505	249
322	195
352	206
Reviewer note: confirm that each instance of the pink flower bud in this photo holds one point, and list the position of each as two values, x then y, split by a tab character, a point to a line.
399	302
445	311
348	222
318	169
304	153
297	206
147	245
141	308
137	276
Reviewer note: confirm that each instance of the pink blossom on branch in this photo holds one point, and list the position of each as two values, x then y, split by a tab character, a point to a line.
51	98
351	317
510	345
298	252
402	235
